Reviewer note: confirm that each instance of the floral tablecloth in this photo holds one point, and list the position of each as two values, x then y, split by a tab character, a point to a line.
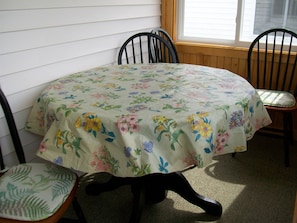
133	120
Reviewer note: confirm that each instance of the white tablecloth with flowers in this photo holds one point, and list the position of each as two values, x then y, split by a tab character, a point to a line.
133	120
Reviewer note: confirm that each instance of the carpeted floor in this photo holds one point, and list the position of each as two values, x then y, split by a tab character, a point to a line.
252	187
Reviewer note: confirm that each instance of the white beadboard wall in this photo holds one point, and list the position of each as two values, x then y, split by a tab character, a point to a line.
42	40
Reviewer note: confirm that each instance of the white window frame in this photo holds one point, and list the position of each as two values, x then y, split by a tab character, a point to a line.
240	39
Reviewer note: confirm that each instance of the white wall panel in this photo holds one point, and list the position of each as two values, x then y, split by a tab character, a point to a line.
39	4
56	53
36	19
41	75
42	40
31	39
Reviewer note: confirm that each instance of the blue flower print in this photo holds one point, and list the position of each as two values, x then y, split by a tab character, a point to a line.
148	146
236	119
155	92
136	108
163	165
251	110
166	96
127	151
59	160
70	97
63	92
133	93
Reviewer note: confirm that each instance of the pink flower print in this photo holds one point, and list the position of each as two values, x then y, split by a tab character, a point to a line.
134	127
42	147
40	118
123	127
132	119
223	138
140	86
219	148
100	96
128	123
103	161
189	159
177	105
74	105
56	86
221	141
98	163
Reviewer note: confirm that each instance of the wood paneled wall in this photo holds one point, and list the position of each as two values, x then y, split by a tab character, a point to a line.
227	57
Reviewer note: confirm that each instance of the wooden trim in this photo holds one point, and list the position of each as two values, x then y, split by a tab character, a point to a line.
168	21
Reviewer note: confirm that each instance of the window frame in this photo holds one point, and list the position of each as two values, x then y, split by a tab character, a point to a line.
238	41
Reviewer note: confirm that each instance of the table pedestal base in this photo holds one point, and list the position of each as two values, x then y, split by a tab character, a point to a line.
153	188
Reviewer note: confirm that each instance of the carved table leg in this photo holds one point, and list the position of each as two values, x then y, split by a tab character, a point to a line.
153	188
179	184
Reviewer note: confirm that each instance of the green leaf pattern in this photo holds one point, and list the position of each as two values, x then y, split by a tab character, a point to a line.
33	192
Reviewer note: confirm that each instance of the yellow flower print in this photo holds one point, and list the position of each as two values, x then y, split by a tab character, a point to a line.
78	122
93	124
239	149
196	126
163	86
205	129
190	118
160	128
59	134
159	119
87	114
201	126
167	127
68	142
202	114
110	86
59	137
59	141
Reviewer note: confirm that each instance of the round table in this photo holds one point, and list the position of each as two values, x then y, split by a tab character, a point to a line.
140	120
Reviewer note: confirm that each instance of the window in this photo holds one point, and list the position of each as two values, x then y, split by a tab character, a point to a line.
233	22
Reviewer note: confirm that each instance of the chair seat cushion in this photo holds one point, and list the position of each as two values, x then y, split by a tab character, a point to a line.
277	98
34	191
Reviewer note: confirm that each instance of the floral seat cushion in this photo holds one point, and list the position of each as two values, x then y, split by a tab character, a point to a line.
277	98
34	191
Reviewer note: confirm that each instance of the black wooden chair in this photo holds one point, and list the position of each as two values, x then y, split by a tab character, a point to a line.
34	192
165	35
146	47
272	71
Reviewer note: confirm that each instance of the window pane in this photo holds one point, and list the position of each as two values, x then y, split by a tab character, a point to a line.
210	19
214	21
261	15
275	13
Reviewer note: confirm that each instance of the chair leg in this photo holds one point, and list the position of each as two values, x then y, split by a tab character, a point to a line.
287	138
78	210
290	123
79	213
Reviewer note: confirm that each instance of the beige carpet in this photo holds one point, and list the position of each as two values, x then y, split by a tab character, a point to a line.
252	187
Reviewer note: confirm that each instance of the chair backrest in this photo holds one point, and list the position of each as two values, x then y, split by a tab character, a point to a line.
12	129
146	47
165	35
272	61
